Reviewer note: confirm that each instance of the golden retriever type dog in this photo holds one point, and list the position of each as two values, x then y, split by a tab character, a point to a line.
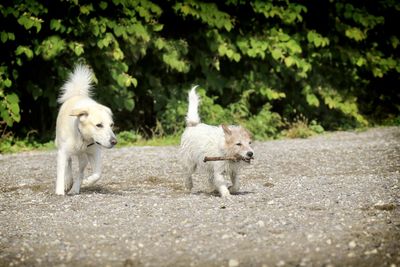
83	128
200	140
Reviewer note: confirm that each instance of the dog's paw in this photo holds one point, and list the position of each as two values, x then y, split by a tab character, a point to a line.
224	192
68	185
233	189
85	182
60	193
88	182
91	180
73	191
189	185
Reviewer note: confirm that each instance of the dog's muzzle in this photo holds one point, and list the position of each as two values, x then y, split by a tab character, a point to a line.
249	157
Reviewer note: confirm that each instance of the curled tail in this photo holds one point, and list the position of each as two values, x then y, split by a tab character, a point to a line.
79	83
192	117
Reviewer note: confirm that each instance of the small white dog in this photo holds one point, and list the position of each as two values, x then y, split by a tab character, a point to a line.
201	140
83	127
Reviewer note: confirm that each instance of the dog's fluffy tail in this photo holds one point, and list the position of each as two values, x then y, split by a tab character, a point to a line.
192	117
79	83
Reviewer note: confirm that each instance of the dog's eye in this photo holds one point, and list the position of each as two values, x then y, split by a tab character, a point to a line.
250	143
238	144
112	125
99	125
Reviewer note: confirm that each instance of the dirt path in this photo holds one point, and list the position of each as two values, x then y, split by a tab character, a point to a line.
332	200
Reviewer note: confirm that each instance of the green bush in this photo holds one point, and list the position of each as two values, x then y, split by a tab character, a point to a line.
128	138
265	125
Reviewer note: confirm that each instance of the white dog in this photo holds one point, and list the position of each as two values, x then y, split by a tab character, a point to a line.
83	127
201	140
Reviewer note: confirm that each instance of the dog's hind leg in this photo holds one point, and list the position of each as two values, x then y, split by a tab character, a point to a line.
190	169
83	161
61	172
95	162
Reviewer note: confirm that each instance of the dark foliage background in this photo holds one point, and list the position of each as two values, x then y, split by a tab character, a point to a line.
265	64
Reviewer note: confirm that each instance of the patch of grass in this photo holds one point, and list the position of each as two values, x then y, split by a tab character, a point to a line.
159	141
130	138
300	128
10	144
392	121
126	138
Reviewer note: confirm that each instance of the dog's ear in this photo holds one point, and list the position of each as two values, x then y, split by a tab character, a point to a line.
247	132
226	129
81	113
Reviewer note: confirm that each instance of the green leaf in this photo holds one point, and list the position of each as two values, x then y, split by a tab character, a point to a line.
355	34
4	37
158	27
26	22
159	43
289	61
78	49
394	41
55	24
29	21
118	54
129	104
312	100
236	57
12	98
11	36
103	5
222	50
134	82
361	61
24	50
86	9
276	54
14	108
6	117
7	83
311	36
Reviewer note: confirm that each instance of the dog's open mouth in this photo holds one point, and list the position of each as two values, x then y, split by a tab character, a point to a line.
247	159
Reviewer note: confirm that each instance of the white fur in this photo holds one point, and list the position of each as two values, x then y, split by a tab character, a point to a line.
192	117
78	84
200	140
83	127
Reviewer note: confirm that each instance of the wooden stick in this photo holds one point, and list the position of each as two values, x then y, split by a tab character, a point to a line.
220	158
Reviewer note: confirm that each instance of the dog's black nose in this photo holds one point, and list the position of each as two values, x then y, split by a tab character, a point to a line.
113	141
249	154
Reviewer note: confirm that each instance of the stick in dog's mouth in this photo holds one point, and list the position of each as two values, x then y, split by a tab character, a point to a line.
236	158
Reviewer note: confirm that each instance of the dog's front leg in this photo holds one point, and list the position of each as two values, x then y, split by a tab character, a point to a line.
68	175
95	162
83	161
234	188
220	184
61	171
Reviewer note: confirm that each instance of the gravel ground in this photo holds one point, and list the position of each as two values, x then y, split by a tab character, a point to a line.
331	200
